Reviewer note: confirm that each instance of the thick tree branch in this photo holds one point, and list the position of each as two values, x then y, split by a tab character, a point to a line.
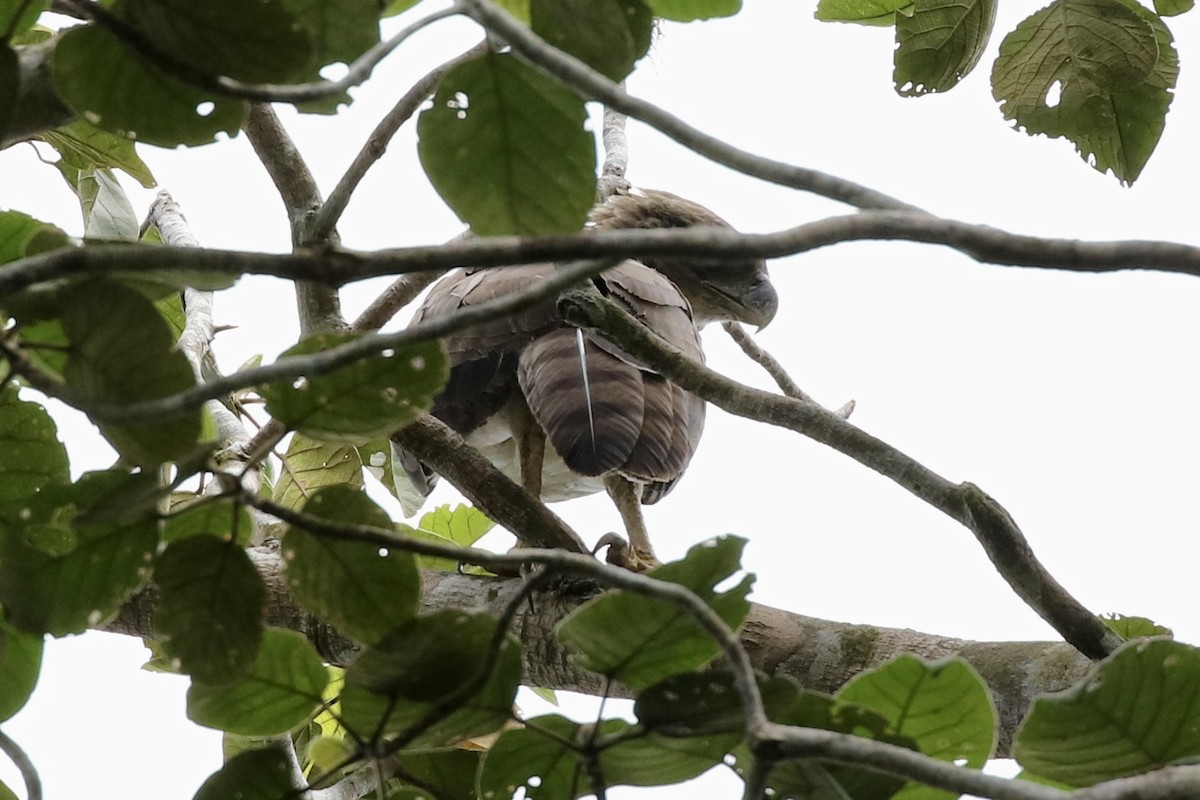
337	267
965	503
820	654
318	303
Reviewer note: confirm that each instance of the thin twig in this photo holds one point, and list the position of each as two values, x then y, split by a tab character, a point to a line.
377	143
29	773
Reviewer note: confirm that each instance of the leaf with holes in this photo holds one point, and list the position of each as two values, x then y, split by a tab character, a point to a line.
639	640
308	466
608	35
76	553
362	589
506	148
203	515
943	706
210	607
110	87
432	660
370	397
84	146
278	691
31	456
939	43
1135	627
1137	711
1113	66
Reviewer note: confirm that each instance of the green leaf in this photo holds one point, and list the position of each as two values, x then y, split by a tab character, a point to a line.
689	10
310	465
20	663
640	640
1137	711
107	212
1172	8
541	758
361	589
371	397
863	12
463	526
21	235
10	84
264	774
1113	65
1135	627
395	684
31	456
18	16
506	148
195	515
339	30
609	35
210	607
280	690
400	6
84	146
75	553
943	706
122	352
876	13
7	793
260	42
110	87
692	704
940	43
448	773
816	780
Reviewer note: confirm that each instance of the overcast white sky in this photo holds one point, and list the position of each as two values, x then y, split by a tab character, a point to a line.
1070	398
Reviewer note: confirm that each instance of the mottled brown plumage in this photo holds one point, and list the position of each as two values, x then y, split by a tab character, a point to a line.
610	421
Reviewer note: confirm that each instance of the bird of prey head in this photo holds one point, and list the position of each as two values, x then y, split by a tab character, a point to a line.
720	289
611	422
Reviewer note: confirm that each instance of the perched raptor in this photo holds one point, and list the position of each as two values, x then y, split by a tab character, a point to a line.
612	422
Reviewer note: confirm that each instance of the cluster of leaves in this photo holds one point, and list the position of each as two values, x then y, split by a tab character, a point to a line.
1099	73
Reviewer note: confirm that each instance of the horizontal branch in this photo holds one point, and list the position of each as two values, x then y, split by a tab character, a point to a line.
337	267
820	654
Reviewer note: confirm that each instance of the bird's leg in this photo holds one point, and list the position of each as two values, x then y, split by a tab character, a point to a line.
530	441
638	555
